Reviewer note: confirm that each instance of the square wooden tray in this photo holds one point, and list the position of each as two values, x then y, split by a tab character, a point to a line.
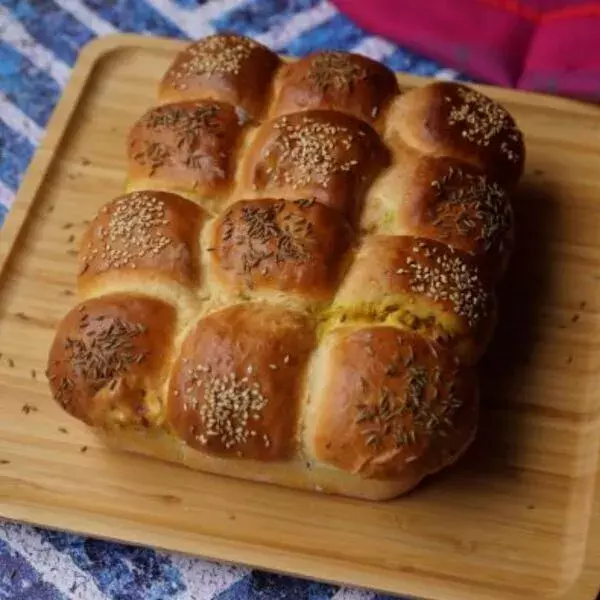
518	517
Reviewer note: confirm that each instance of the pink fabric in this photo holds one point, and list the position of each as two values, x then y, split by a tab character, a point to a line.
543	45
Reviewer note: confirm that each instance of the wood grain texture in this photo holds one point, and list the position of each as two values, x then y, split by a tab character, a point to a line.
518	517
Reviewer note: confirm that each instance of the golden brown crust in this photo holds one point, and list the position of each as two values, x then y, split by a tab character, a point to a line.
108	360
225	67
459	205
331	80
301	275
187	147
422	284
451	119
445	200
388	403
236	385
294	473
153	235
322	154
298	247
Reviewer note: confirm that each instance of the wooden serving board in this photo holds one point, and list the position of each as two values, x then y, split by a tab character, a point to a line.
517	518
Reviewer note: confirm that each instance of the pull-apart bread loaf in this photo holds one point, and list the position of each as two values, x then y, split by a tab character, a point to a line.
299	278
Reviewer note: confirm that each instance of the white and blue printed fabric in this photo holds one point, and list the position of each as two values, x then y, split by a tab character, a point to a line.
39	44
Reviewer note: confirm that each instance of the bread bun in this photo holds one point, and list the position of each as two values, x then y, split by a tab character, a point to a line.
288	250
322	154
141	239
109	360
451	119
228	68
187	148
237	383
389	404
330	80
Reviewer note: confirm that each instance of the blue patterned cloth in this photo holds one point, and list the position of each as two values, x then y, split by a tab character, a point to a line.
39	43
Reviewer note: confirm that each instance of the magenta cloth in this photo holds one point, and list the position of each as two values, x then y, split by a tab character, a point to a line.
550	46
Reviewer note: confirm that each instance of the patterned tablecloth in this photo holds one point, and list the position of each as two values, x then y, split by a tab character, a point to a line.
39	43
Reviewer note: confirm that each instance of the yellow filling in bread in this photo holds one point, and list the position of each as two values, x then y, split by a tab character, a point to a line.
419	316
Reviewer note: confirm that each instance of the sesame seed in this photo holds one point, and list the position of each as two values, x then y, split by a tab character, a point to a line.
225	406
461	284
312	149
215	54
482	120
337	71
133	231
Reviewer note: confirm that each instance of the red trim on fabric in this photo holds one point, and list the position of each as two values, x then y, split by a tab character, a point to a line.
531	14
573	12
516	8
